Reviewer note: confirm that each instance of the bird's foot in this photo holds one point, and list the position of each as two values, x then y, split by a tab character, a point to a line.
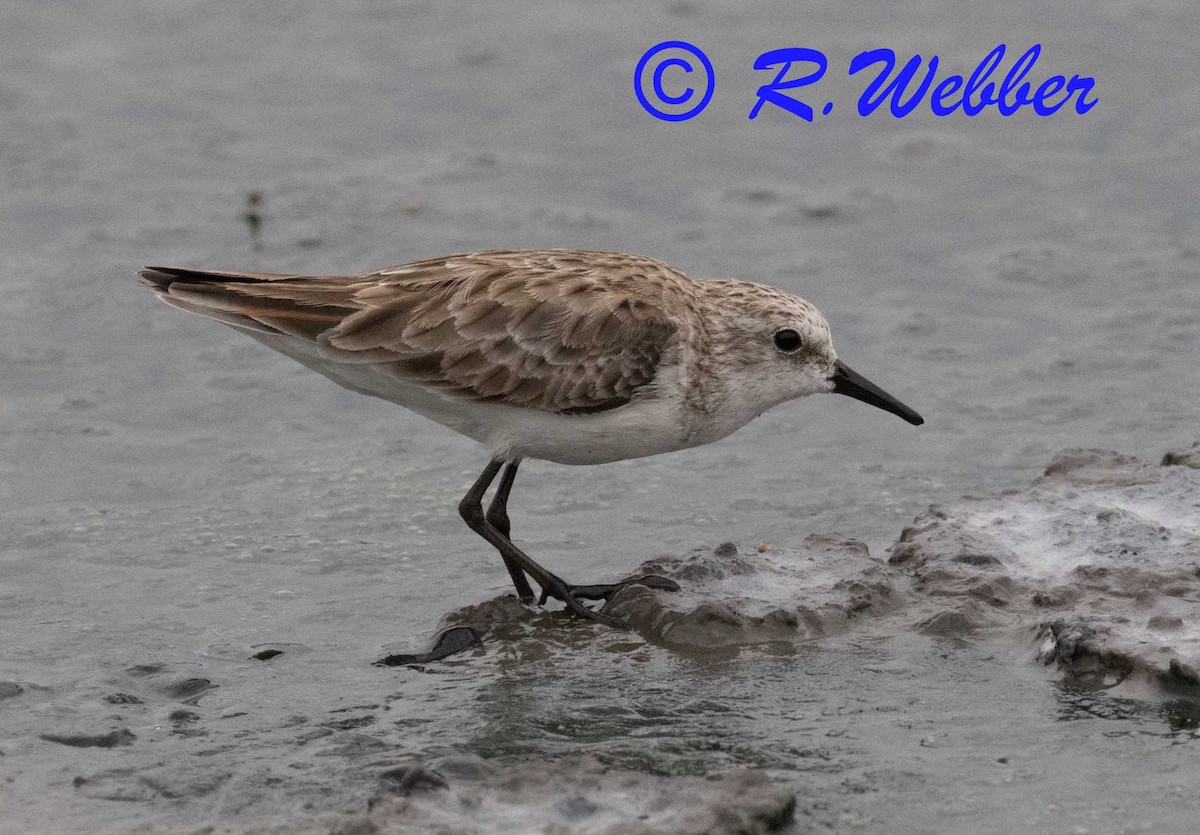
603	591
556	587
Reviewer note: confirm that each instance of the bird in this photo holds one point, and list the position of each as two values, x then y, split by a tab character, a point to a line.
571	356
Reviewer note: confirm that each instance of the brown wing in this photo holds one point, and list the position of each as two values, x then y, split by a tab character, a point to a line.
556	330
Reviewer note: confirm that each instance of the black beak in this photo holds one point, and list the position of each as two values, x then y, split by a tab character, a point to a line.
849	382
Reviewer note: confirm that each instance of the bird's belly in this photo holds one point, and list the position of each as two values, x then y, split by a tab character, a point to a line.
638	429
641	428
635	430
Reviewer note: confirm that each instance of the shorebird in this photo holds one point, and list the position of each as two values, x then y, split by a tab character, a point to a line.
568	356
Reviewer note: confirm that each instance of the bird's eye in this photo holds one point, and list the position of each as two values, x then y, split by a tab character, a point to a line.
788	341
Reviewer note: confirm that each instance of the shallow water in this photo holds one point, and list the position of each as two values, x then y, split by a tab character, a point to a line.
173	493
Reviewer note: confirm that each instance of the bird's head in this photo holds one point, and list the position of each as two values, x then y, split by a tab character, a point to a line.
787	343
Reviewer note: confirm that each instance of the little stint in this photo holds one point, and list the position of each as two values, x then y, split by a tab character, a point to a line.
569	356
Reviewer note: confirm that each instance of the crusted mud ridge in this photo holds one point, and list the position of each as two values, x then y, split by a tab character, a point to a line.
1096	564
727	599
1095	568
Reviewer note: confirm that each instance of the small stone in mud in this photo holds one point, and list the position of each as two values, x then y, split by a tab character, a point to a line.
188	689
1183	457
407	779
183	717
113	739
1049	599
8	689
1165	622
350	723
902	552
947	625
121	784
978	560
122	699
1180	673
726	550
267	654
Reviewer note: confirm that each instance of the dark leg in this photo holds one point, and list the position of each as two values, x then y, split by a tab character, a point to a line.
471	509
497	517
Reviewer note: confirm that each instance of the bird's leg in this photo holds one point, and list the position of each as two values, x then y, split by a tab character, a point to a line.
497	517
471	509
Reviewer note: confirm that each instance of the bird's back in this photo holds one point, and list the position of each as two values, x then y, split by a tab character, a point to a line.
556	331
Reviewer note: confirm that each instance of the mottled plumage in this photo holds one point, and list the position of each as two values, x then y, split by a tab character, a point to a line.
563	332
572	356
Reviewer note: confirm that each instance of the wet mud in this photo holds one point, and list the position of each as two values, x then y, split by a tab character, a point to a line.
1091	573
1088	580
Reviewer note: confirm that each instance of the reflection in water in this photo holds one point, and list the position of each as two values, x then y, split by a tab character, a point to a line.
637	706
1181	716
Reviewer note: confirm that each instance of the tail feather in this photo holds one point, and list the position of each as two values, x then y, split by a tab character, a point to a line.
234	299
164	277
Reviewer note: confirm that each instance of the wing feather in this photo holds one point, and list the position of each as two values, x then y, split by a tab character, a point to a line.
561	331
